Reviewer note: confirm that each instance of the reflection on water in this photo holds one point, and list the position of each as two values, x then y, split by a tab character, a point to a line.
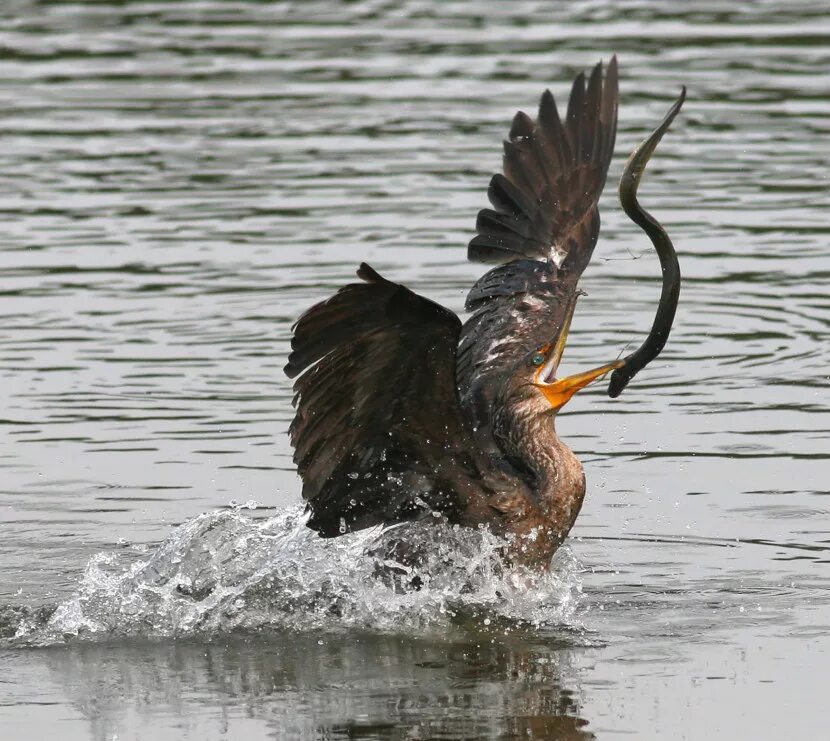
178	180
301	686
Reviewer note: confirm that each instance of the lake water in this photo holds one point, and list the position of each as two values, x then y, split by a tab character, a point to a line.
179	180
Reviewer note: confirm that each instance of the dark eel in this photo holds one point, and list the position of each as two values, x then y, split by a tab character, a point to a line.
670	294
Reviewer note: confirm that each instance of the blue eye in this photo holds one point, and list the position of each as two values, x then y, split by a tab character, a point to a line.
537	359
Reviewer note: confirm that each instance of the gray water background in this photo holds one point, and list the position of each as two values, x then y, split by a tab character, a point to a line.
179	180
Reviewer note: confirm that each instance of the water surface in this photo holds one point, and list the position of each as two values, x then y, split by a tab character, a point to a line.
179	180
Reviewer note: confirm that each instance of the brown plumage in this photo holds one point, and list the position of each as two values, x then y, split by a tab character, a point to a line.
402	412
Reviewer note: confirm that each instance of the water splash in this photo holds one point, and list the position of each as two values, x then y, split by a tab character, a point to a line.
225	572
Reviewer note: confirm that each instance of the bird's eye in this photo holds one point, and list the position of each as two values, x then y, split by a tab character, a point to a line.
537	359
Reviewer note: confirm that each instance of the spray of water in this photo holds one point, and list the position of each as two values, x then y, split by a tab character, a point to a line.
226	572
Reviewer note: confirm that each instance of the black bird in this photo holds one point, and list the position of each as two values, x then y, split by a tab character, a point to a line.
402	411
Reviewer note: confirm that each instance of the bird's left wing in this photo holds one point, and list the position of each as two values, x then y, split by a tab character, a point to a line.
377	414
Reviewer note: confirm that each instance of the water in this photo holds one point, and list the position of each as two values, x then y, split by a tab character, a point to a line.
179	180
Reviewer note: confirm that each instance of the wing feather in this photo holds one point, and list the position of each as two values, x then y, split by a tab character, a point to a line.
543	227
377	414
554	173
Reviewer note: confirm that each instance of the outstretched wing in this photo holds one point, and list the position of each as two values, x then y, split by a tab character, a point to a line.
377	414
545	214
545	203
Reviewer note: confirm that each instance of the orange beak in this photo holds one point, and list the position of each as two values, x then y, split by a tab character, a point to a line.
561	390
558	391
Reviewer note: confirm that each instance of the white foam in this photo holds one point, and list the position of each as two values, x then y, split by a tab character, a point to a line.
225	572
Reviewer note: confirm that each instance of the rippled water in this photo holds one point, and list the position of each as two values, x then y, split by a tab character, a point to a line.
180	179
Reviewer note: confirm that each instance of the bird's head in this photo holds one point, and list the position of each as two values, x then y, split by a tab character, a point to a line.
542	364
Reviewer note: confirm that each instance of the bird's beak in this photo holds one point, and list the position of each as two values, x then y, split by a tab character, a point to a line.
558	391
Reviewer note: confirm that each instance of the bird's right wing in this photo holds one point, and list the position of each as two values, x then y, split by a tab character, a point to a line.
545	203
378	419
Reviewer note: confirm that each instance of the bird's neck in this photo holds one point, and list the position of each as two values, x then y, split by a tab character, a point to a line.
558	476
